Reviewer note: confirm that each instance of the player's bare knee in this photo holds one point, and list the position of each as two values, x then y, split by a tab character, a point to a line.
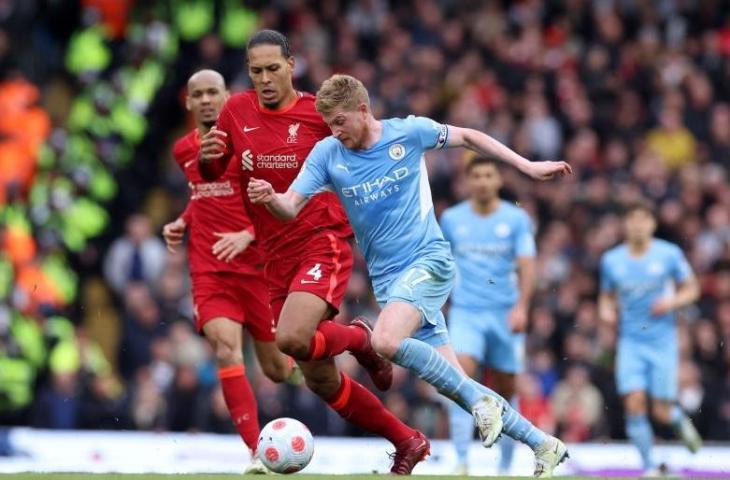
384	344
227	352
226	356
293	344
635	404
661	412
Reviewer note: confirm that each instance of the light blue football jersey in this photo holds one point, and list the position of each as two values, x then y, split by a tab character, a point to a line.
638	282
385	192
486	248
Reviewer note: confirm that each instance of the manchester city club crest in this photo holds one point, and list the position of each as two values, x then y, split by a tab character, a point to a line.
397	151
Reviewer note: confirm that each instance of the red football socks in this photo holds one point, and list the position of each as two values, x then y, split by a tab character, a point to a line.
332	338
358	405
241	403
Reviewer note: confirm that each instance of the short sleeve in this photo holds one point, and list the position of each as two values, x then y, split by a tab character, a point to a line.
524	238
446	227
187	214
225	123
314	176
225	119
681	269
607	283
178	150
431	135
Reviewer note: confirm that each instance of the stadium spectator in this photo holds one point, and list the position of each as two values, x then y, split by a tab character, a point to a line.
534	403
578	405
139	256
141	325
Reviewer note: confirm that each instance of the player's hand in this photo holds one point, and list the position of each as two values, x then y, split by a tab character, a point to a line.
662	307
231	244
212	145
260	191
518	318
547	170
173	233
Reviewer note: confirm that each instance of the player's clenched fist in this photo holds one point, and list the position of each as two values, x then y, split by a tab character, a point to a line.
173	233
260	191
212	145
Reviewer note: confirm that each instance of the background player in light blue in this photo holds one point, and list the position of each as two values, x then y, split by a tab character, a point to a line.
646	279
493	243
378	171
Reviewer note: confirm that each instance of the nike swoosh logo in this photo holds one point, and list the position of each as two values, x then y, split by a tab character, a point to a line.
250	129
309	281
188	163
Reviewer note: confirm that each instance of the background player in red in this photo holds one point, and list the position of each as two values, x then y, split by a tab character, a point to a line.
268	132
226	267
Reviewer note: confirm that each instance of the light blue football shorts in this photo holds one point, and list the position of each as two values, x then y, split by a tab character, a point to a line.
426	285
485	334
652	367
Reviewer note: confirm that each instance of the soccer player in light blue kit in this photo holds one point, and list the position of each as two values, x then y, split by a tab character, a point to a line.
493	243
646	279
378	171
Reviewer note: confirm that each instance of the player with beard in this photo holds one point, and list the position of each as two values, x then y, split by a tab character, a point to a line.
229	291
267	132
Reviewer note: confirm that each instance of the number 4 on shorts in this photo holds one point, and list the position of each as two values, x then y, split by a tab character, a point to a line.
315	271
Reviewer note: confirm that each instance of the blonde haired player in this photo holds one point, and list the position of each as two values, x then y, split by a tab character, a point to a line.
377	169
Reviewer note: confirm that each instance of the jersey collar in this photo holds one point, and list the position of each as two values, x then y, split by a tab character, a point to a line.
282	110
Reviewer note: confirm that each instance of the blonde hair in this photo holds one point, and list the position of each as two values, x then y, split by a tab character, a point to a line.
342	91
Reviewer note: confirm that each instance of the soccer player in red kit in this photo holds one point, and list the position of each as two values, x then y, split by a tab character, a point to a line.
267	132
226	268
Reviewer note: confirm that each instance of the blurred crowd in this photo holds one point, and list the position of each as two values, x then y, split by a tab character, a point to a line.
633	94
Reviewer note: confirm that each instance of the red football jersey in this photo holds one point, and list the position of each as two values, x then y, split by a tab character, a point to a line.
213	207
272	145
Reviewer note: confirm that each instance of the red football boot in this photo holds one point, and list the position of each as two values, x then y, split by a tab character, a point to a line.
379	369
408	453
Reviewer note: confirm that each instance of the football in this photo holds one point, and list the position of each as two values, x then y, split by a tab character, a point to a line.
285	445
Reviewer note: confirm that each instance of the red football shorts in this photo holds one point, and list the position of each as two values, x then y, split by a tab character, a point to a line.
323	269
242	298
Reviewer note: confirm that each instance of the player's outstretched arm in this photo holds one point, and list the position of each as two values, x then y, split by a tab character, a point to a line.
213	159
485	145
284	206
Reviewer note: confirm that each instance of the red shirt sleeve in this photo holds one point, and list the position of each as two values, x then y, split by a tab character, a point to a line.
213	170
179	150
187	214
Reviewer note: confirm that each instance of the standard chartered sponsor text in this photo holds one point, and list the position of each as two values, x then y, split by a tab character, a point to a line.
278	160
211	189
